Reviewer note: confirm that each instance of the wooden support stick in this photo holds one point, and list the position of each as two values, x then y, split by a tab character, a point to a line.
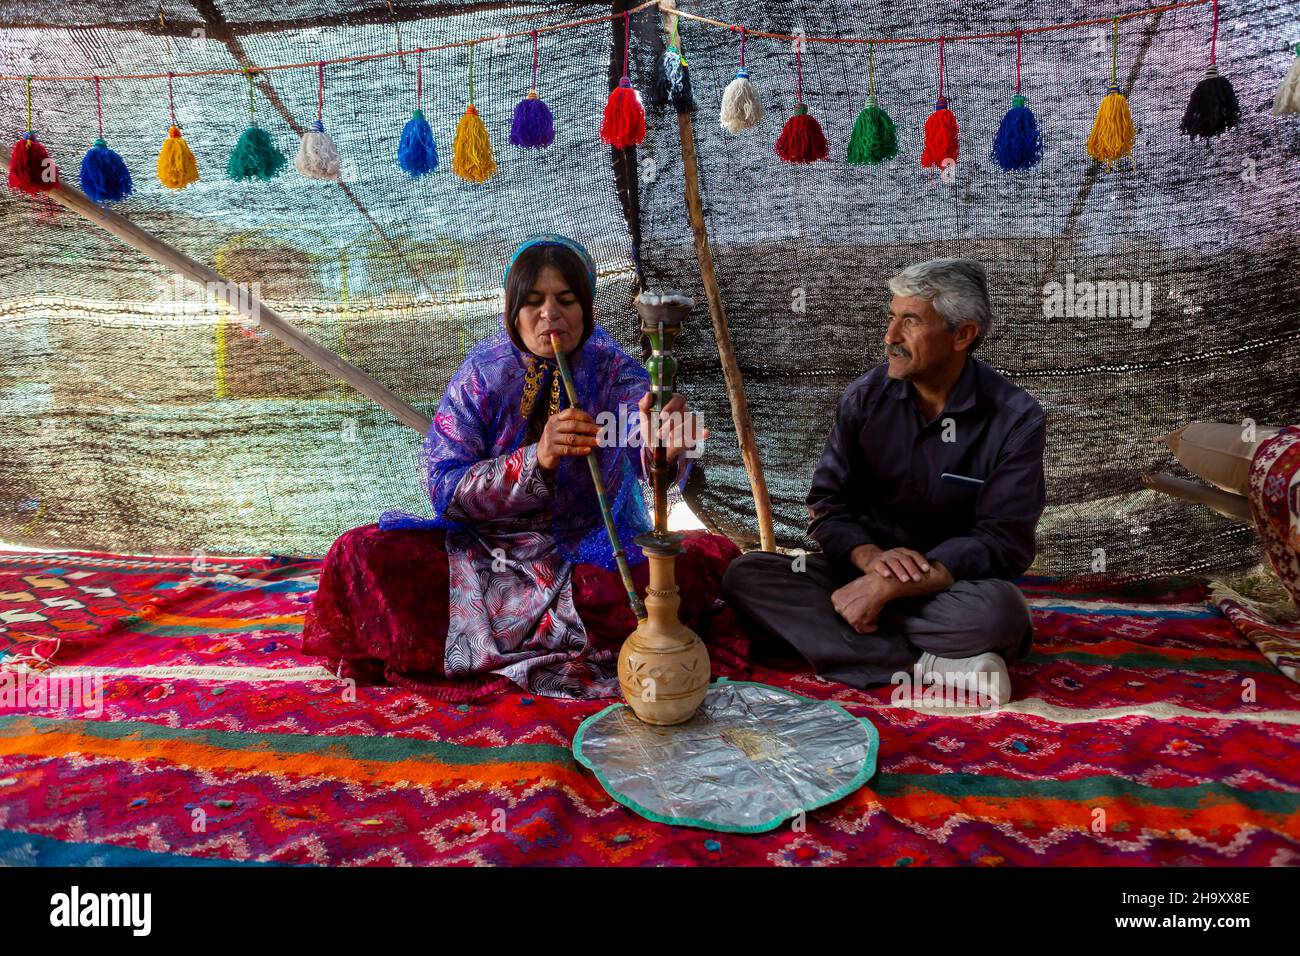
730	368
1225	503
238	298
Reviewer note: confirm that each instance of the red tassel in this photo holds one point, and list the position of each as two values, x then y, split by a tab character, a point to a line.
30	168
940	136
624	122
802	139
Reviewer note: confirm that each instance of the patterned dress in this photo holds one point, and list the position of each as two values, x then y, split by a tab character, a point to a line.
514	535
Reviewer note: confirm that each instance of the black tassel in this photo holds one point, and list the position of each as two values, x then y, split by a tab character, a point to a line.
1213	107
672	84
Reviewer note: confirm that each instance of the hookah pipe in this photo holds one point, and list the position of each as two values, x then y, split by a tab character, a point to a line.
623	569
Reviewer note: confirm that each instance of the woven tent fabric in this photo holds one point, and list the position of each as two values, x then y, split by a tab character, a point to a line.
143	418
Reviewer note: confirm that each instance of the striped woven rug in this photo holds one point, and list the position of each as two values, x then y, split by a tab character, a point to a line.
1143	729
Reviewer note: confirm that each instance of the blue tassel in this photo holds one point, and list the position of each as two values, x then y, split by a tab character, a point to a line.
104	176
1018	144
416	152
533	126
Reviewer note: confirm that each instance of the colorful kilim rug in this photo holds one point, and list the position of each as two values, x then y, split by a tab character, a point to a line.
1144	728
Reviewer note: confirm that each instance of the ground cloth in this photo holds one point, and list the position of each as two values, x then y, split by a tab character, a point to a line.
1143	729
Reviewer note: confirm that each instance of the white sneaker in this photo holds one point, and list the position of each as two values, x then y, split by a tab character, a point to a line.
983	678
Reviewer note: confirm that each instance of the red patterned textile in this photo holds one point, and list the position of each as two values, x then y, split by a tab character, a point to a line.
1275	504
381	612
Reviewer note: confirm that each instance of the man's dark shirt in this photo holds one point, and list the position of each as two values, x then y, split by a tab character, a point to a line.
878	479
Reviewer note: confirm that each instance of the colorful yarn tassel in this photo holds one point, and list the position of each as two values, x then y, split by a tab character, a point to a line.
623	123
255	155
1287	100
1213	107
874	138
471	152
1112	135
1018	144
673	81
802	139
318	158
417	153
533	126
177	167
104	176
741	107
941	134
31	170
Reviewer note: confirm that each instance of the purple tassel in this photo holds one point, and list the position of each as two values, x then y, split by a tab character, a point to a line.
533	126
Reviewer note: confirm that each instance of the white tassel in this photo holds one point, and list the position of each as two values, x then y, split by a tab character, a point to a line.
741	107
317	157
1288	94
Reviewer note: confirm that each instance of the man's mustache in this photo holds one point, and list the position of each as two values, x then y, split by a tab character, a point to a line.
898	350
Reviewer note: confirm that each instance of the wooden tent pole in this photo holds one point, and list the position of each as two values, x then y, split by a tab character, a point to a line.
238	298
726	353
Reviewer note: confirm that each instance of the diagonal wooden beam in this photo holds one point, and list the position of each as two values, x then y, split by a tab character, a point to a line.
237	297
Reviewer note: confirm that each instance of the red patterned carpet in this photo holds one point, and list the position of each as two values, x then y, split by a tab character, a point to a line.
1143	729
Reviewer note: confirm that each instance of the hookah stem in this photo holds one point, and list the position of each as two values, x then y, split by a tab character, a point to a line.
659	468
624	571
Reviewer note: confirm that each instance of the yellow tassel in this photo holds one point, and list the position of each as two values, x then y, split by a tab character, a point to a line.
1112	133
176	165
471	153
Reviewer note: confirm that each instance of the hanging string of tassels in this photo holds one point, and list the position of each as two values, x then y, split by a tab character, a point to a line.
255	155
741	107
802	139
673	82
941	135
1112	135
623	123
177	167
874	138
533	126
1018	144
417	153
31	170
317	157
471	150
1213	107
104	176
1288	94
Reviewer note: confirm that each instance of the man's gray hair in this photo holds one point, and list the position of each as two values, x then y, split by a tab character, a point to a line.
957	288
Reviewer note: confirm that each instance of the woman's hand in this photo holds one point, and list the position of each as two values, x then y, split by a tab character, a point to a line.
570	432
679	429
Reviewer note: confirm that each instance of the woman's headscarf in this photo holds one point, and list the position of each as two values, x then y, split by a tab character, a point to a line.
486	412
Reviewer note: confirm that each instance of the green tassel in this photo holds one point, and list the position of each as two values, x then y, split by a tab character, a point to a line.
255	156
873	140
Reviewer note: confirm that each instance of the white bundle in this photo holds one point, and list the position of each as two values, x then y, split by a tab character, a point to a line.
317	157
741	107
1288	94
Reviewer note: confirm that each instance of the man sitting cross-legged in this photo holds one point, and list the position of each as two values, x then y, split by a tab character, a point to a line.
924	504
